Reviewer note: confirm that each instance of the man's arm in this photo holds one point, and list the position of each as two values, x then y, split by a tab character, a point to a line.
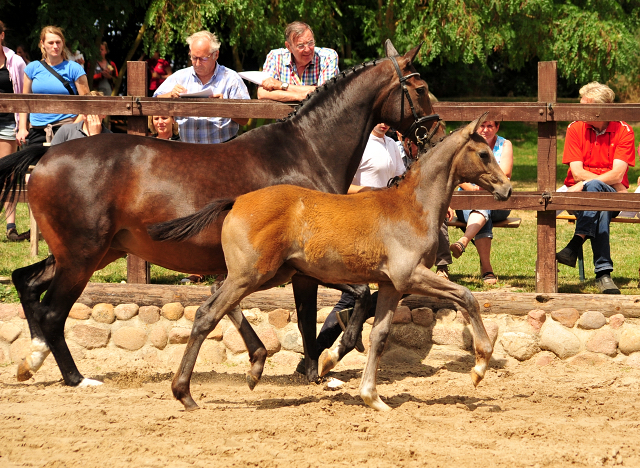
272	89
613	177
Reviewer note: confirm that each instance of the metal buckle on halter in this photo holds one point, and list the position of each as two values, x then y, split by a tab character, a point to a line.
417	121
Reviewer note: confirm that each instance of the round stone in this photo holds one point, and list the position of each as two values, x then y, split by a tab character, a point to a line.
592	320
560	341
172	311
90	337
103	313
158	337
149	314
519	345
126	311
80	311
629	341
129	338
190	312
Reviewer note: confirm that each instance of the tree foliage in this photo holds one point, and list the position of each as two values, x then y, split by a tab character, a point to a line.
590	39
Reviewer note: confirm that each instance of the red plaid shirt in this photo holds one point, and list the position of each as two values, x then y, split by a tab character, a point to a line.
323	66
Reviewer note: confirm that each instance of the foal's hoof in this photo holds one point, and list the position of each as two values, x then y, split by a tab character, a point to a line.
252	381
476	377
24	372
190	404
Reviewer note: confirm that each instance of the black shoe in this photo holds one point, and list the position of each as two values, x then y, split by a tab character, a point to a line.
343	318
606	285
13	236
567	257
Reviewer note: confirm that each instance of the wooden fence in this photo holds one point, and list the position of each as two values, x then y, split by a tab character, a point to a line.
546	112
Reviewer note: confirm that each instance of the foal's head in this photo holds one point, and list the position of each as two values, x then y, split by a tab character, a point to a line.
474	162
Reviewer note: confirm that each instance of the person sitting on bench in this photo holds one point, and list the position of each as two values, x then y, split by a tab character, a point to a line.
599	155
480	222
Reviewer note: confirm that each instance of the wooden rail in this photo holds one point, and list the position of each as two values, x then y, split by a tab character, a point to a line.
546	113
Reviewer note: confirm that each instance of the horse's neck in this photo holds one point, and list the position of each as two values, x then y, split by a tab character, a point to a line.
433	190
336	130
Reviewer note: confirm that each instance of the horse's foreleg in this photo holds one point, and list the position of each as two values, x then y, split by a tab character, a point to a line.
388	299
255	346
207	317
305	293
330	357
31	282
425	282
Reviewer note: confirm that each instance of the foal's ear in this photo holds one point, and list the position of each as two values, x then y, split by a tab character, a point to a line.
413	52
389	49
473	126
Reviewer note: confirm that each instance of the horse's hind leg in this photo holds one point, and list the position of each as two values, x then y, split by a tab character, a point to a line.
305	293
31	282
330	357
255	346
207	317
425	282
388	299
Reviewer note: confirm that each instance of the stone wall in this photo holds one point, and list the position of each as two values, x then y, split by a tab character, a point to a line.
155	335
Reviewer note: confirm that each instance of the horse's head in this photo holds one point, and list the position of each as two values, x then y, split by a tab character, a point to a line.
474	162
408	107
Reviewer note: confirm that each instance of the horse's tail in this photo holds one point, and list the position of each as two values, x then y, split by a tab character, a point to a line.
13	169
183	228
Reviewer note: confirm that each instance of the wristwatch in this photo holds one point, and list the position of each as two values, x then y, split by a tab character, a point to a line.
284	86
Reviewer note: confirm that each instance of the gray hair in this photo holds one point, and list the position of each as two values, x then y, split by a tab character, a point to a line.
294	30
598	92
214	43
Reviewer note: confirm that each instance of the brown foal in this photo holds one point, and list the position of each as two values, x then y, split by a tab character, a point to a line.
273	233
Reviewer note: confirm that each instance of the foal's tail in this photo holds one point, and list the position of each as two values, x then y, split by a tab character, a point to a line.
13	169
183	228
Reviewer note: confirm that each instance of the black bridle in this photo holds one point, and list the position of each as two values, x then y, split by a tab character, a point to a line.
418	127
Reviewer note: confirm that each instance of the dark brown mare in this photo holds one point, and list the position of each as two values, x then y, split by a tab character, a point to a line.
276	232
94	198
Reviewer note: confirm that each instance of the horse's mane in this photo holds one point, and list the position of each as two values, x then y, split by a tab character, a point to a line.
329	85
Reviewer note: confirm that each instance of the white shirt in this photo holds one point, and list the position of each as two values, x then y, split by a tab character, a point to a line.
380	162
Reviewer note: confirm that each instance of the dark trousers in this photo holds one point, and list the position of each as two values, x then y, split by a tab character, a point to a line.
331	329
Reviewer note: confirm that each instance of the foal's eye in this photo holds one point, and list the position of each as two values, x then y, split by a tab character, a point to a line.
420	91
484	155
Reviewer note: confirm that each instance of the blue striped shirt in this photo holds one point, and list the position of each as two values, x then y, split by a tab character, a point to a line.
207	129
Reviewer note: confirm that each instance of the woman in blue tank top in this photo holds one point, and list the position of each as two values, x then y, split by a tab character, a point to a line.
37	127
480	222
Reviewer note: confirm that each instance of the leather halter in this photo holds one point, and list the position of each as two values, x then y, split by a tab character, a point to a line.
418	122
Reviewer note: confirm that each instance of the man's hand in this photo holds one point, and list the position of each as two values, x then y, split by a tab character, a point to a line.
450	214
271	84
576	188
216	96
94	125
176	91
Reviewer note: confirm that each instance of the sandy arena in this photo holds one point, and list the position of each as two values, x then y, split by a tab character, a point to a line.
521	415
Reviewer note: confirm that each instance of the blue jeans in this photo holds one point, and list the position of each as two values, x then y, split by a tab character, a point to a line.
489	215
595	225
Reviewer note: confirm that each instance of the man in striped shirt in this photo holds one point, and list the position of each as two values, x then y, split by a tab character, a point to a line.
209	76
299	68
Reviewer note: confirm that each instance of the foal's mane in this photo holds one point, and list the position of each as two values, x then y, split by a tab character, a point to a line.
330	85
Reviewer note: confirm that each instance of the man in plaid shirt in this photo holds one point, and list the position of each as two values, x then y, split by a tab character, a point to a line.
299	68
208	75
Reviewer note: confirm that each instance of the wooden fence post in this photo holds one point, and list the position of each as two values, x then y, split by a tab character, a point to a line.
546	266
138	271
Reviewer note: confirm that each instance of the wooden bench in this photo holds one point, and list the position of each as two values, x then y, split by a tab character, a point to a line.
507	223
571	219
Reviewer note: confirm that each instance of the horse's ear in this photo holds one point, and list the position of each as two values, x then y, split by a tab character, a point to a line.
413	52
473	126
389	49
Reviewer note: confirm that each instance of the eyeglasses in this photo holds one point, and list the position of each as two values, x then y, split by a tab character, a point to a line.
304	45
202	59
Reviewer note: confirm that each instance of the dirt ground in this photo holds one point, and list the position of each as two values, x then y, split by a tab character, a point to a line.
521	415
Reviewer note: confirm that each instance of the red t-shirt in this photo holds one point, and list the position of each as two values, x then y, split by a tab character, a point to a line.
159	68
598	152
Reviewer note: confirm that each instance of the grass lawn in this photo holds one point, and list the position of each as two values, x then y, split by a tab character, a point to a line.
513	252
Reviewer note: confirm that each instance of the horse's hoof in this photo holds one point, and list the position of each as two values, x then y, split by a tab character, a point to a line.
326	362
376	403
476	377
24	372
89	383
189	404
252	381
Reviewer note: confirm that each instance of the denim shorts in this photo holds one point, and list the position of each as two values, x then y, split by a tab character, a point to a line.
8	131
